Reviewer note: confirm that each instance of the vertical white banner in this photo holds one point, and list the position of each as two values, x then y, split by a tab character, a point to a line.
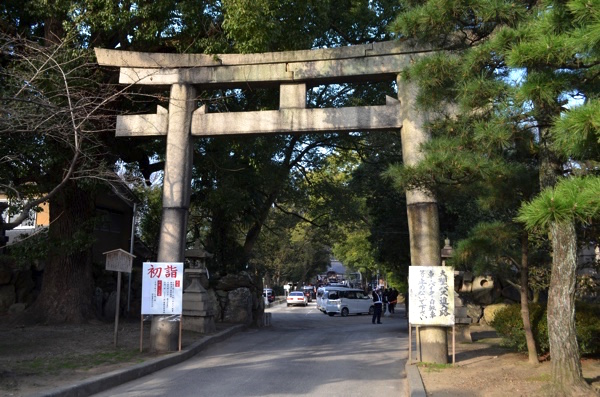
162	288
431	295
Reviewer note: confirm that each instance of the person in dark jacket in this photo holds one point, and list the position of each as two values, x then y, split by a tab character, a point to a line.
392	300
377	305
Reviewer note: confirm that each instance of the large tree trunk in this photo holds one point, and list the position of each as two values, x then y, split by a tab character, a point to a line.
524	290
67	285
256	227
567	378
566	367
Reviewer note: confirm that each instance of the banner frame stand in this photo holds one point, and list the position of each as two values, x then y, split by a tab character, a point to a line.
418	344
141	332
180	329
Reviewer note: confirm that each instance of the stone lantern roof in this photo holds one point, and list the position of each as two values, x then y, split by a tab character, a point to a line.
197	253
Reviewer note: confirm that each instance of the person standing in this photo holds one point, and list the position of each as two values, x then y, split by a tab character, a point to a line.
384	296
377	305
392	299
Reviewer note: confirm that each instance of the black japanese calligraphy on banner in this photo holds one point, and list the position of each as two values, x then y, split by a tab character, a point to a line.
431	295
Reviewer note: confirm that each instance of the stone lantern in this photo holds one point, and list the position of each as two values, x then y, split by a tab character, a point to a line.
198	312
447	251
461	317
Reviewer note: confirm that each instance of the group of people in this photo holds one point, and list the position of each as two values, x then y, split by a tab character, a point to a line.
381	297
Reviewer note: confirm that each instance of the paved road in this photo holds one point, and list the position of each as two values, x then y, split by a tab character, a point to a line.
302	353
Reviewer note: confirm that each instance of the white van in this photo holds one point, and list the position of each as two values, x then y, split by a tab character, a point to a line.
321	291
345	301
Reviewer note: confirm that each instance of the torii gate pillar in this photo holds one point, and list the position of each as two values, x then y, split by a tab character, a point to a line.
423	219
176	201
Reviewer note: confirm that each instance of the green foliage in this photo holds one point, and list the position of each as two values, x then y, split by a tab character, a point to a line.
509	324
266	25
434	367
290	251
442	70
355	251
520	66
577	132
31	249
150	214
575	199
432	20
587	321
490	247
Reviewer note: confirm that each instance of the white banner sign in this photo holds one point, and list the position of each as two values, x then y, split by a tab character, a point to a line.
162	288
431	295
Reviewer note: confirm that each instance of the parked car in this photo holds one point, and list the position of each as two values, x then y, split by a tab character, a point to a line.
269	294
347	301
297	298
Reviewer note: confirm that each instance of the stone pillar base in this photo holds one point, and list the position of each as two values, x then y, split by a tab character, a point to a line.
203	325
463	332
164	334
266	319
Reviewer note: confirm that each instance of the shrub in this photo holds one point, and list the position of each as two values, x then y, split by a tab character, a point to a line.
587	321
509	325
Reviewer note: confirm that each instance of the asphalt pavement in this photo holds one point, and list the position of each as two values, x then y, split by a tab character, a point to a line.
118	377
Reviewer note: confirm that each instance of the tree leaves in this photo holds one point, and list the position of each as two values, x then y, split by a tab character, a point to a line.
571	200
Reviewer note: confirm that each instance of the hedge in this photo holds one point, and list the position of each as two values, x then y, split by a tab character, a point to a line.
509	325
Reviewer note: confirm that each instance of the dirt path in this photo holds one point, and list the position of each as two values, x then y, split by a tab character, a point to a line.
484	369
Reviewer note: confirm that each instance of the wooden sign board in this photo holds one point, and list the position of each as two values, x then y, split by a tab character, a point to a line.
119	261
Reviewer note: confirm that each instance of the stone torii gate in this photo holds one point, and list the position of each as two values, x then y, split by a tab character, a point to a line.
293	71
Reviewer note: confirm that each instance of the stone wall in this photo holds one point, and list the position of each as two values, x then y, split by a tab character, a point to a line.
18	288
237	299
477	293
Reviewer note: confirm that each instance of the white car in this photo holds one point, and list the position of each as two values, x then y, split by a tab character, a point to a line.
347	301
321	292
297	298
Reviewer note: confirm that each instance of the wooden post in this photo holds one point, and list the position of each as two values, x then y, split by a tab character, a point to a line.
118	307
119	261
141	331
409	343
180	329
453	345
418	345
